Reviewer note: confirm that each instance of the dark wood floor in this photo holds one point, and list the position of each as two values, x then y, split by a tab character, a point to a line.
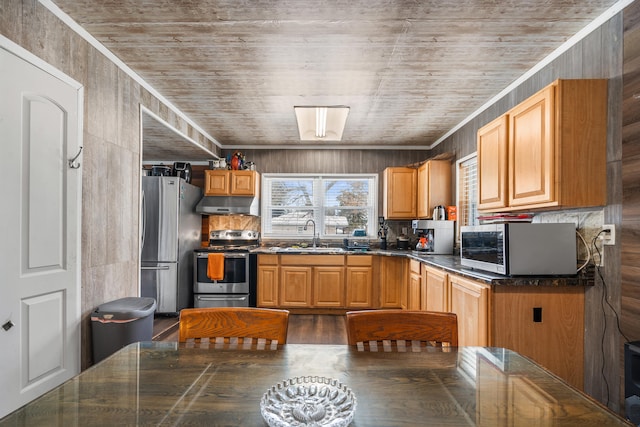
303	329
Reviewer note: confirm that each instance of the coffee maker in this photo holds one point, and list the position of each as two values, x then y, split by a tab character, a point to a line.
437	236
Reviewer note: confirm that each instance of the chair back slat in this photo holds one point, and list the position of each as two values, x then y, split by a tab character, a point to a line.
401	330
233	327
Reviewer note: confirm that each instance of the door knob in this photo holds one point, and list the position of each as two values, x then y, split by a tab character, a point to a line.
8	325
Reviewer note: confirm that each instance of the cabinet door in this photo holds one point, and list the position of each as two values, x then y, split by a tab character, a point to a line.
492	164
433	186
414	296
470	301
400	193
436	290
424	210
216	183
393	284
359	287
295	286
243	183
267	286
328	287
532	150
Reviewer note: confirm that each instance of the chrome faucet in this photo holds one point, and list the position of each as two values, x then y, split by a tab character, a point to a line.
315	240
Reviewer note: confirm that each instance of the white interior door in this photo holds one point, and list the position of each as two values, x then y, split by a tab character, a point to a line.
40	129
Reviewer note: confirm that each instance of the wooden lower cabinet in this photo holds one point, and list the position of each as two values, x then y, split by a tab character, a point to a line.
470	302
393	282
312	281
328	287
436	289
295	286
545	324
268	280
359	281
415	289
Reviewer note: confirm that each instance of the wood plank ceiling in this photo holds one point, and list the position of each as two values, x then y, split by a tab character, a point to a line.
409	70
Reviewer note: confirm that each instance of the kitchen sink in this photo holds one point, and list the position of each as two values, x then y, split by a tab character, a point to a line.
307	250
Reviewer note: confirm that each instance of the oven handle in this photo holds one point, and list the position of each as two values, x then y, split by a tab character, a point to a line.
161	267
226	254
221	298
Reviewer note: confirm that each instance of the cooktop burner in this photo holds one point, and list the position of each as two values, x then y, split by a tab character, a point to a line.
233	240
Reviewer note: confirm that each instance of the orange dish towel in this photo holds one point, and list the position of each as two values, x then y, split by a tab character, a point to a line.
215	266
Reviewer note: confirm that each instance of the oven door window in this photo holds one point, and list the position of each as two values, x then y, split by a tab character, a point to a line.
235	270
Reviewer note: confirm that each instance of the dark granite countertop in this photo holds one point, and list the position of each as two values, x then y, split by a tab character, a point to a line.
448	263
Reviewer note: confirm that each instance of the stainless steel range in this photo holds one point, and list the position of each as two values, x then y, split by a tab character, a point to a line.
238	286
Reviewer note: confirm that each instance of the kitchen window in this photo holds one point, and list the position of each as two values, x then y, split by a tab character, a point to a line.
338	204
467	178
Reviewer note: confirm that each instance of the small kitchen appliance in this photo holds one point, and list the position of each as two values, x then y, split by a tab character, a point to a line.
238	286
160	170
439	213
402	242
183	170
520	248
436	236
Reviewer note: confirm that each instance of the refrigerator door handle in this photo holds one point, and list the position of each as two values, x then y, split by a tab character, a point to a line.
162	267
144	223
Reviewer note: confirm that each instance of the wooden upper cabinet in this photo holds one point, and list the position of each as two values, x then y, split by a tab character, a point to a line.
492	164
555	150
433	186
532	150
231	183
400	186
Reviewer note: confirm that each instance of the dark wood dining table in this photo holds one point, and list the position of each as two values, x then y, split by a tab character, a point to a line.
167	384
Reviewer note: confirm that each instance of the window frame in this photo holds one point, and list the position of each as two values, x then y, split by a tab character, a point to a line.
318	181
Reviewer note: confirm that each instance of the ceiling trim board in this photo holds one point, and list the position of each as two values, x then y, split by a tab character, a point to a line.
331	147
119	63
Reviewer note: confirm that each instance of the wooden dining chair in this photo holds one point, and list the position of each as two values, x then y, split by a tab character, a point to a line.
233	327
401	330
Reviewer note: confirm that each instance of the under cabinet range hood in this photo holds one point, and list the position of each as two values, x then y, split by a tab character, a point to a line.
228	205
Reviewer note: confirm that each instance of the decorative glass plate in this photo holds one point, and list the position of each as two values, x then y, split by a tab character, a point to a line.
308	401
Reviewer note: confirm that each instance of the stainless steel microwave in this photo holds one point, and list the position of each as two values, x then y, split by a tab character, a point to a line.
520	248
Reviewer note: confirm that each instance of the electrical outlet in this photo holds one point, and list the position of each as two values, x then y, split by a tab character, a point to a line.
609	237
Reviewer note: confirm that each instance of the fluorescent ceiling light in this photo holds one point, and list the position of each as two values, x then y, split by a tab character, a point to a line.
321	123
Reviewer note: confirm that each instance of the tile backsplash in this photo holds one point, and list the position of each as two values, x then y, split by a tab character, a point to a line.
588	224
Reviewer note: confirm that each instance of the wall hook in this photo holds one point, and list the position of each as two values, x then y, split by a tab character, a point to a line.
72	162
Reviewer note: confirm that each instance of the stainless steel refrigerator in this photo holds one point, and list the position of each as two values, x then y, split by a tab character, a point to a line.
170	231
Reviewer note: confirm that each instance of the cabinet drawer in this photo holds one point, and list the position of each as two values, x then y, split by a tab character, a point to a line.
266	259
312	260
359	260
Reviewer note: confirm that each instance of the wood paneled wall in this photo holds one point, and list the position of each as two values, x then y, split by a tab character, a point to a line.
111	156
629	232
599	55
